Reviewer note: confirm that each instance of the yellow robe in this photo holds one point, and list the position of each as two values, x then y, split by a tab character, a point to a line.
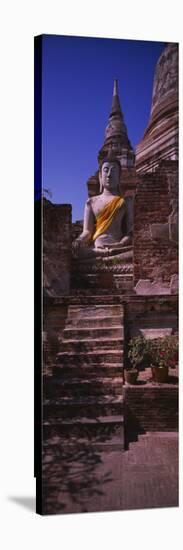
106	215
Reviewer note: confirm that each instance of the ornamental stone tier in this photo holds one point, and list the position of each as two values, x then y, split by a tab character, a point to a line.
160	141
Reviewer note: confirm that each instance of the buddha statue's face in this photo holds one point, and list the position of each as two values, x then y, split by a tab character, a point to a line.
110	176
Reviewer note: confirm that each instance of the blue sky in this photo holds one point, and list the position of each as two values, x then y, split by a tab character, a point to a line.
77	86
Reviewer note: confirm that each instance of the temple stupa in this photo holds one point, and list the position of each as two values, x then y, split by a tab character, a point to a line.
160	140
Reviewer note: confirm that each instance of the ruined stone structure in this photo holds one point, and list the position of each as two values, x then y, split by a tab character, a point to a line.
156	232
160	141
156	202
92	308
56	248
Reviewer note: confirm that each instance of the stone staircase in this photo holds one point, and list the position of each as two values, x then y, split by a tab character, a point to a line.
83	397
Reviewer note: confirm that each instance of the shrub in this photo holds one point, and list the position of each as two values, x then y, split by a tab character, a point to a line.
158	352
164	352
137	351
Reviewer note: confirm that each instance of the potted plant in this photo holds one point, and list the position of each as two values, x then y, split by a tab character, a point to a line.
137	351
163	355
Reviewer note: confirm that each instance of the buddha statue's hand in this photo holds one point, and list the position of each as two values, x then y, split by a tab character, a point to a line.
76	246
125	241
80	242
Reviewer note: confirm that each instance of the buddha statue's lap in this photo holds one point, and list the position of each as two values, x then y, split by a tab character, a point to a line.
102	233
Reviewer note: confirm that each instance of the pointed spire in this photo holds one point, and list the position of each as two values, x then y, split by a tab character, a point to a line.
116	125
116	135
116	107
115	88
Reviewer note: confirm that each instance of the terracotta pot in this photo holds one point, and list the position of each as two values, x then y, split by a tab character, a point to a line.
131	376
160	374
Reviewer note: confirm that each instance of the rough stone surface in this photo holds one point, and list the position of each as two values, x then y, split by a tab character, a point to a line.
54	321
173	227
151	333
151	406
152	313
160	141
145	287
56	248
155	250
159	231
174	284
84	479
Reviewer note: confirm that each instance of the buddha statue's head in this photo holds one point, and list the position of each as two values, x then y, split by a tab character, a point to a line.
109	175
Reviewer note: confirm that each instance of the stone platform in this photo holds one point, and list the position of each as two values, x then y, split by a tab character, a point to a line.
113	273
150	406
86	479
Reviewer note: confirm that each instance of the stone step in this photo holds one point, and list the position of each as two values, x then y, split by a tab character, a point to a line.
83	400
159	450
90	357
94	322
86	345
77	387
139	448
83	445
95	311
57	410
86	333
105	432
94	301
52	429
85	371
159	435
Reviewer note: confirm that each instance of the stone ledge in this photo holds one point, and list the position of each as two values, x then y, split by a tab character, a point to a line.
110	299
146	287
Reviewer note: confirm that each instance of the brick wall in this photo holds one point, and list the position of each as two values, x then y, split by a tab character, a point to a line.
155	227
128	181
56	248
151	408
156	313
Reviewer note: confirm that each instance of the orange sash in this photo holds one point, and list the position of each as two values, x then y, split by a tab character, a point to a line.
105	217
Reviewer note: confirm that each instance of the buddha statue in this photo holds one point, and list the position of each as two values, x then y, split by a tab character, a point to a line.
104	215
